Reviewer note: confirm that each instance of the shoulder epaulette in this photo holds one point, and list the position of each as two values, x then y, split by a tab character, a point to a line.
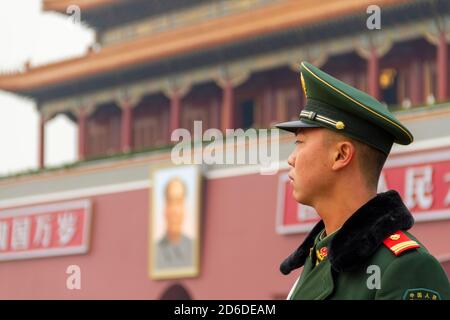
399	242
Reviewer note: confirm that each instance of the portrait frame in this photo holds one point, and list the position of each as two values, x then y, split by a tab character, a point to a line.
160	176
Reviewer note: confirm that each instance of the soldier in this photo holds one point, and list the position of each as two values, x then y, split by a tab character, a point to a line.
361	248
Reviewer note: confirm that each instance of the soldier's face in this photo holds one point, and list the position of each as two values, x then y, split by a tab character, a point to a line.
310	166
175	207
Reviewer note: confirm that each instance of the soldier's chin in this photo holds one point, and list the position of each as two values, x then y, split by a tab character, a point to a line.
301	197
298	196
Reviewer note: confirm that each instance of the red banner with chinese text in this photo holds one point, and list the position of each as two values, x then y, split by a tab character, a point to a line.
47	230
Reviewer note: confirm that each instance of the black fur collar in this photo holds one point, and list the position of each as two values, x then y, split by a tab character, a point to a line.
360	235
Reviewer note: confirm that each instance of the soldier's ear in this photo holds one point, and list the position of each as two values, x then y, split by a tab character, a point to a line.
343	153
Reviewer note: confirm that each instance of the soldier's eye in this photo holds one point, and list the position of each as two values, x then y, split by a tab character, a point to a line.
298	142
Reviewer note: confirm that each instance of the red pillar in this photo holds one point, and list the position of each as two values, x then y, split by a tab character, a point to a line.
373	74
175	109
41	142
227	119
81	135
270	108
415	83
126	127
442	68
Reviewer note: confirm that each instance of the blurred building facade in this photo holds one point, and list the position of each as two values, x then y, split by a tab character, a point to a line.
161	65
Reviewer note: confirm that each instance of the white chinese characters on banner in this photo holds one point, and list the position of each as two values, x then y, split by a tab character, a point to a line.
67	226
447	197
22	227
47	230
419	187
43	232
20	233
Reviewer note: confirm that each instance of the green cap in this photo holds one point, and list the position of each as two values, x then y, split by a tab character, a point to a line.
333	104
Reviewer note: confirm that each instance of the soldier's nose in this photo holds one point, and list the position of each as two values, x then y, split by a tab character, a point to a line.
291	160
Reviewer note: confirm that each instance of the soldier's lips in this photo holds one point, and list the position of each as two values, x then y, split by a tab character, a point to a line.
291	178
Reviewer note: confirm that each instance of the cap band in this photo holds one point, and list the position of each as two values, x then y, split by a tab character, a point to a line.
352	126
311	115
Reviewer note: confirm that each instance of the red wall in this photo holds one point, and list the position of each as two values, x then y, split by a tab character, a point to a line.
240	251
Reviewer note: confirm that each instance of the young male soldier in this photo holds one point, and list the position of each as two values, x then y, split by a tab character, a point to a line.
361	248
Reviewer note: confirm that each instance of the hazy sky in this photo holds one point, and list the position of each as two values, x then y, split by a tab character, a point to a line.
28	34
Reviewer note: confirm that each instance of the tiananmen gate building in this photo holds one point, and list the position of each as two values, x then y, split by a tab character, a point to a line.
161	65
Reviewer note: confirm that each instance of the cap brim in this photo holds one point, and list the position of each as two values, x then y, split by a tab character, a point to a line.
292	126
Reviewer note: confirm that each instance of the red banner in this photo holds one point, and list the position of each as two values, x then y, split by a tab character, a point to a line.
422	179
47	230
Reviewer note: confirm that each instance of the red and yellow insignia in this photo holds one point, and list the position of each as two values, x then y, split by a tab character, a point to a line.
399	242
321	254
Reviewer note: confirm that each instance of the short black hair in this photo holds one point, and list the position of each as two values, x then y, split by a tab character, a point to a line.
370	159
371	162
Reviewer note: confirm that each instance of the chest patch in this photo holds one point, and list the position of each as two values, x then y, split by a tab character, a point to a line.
421	294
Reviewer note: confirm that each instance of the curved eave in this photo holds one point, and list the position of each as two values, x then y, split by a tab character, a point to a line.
62	5
221	31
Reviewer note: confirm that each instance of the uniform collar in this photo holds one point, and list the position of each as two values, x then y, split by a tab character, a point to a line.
323	240
321	246
360	236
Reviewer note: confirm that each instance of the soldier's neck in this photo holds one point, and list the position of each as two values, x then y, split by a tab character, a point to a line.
334	211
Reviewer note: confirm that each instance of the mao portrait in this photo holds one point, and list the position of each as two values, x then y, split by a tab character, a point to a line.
174	222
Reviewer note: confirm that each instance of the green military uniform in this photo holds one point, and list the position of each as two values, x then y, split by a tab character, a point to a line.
372	256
